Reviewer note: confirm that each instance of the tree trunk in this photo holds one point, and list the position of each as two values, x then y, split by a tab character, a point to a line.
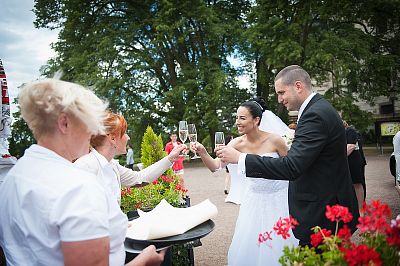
262	78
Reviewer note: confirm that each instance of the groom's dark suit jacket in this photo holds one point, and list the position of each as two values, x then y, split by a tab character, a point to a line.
316	167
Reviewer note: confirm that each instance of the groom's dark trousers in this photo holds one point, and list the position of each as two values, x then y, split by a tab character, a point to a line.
316	167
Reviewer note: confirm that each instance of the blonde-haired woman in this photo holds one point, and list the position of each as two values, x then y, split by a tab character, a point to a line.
113	142
53	213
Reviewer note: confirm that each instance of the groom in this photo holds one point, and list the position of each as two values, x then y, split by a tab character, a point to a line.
316	164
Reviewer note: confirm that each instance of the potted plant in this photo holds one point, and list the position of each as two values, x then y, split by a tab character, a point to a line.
168	186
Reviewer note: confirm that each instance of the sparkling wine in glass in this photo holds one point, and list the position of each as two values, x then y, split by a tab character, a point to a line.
183	131
219	141
193	137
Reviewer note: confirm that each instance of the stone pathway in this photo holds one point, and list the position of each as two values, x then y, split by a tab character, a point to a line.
203	184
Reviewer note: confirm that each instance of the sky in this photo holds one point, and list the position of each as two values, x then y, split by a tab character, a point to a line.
23	48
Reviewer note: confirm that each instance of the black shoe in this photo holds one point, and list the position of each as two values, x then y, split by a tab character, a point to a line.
226	192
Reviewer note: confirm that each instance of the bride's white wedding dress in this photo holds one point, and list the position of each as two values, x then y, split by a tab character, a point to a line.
262	204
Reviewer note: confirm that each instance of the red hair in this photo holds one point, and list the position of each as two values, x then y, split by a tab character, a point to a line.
115	125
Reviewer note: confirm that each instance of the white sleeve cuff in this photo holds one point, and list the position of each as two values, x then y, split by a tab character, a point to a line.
242	164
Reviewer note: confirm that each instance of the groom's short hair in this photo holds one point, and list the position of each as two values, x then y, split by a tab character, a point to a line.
292	73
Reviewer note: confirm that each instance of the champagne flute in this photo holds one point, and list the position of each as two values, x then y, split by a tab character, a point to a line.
193	138
183	131
219	141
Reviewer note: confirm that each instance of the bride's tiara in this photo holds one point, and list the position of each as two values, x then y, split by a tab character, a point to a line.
259	105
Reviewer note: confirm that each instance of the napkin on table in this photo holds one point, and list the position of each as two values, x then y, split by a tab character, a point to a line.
165	220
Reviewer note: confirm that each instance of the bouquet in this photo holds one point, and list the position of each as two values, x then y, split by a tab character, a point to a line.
288	137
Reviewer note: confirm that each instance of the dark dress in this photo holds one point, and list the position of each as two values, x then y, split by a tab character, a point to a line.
355	158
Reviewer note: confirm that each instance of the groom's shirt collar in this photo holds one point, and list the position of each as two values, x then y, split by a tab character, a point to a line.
304	105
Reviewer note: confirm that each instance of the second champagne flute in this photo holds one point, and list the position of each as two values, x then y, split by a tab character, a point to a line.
183	131
193	137
219	141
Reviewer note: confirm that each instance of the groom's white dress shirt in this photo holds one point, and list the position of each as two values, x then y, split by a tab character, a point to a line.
242	157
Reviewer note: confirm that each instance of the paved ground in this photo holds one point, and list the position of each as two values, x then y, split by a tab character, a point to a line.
203	184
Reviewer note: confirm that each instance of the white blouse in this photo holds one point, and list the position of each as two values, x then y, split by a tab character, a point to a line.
45	200
114	175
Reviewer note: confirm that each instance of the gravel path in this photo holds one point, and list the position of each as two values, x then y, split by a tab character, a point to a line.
203	184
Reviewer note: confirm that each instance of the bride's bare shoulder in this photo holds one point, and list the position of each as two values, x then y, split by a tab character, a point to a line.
236	141
275	139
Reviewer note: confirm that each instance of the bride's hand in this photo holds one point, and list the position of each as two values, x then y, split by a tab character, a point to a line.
198	148
227	154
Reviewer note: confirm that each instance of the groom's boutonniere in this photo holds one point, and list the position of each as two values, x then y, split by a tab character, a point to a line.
288	137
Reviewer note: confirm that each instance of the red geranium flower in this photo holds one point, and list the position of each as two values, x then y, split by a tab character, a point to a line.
374	217
344	232
379	243
361	255
283	226
138	205
318	237
179	187
126	191
338	213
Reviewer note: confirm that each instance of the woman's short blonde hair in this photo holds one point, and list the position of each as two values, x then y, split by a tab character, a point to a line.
42	102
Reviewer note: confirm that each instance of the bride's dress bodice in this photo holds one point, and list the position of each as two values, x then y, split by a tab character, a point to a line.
261	185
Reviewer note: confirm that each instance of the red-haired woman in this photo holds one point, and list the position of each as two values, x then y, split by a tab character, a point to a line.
105	146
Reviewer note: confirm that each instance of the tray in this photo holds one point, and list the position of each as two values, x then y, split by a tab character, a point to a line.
195	233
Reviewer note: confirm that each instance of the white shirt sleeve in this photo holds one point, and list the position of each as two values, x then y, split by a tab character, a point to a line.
89	163
148	175
242	164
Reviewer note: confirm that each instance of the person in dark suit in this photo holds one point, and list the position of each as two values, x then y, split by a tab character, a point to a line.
356	162
316	164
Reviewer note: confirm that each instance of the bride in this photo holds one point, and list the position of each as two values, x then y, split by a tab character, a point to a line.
264	201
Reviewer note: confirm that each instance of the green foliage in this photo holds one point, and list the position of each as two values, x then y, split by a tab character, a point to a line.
147	197
300	256
158	62
350	112
152	148
349	44
21	136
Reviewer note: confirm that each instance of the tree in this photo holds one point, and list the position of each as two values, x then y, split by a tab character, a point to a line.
161	61
348	44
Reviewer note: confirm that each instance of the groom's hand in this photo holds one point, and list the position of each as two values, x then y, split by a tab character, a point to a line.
227	154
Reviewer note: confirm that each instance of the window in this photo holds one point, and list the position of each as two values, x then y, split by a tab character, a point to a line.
386	108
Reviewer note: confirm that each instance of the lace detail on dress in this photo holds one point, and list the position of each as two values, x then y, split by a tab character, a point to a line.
261	185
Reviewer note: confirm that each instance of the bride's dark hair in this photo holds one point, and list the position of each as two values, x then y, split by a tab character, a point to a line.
256	107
